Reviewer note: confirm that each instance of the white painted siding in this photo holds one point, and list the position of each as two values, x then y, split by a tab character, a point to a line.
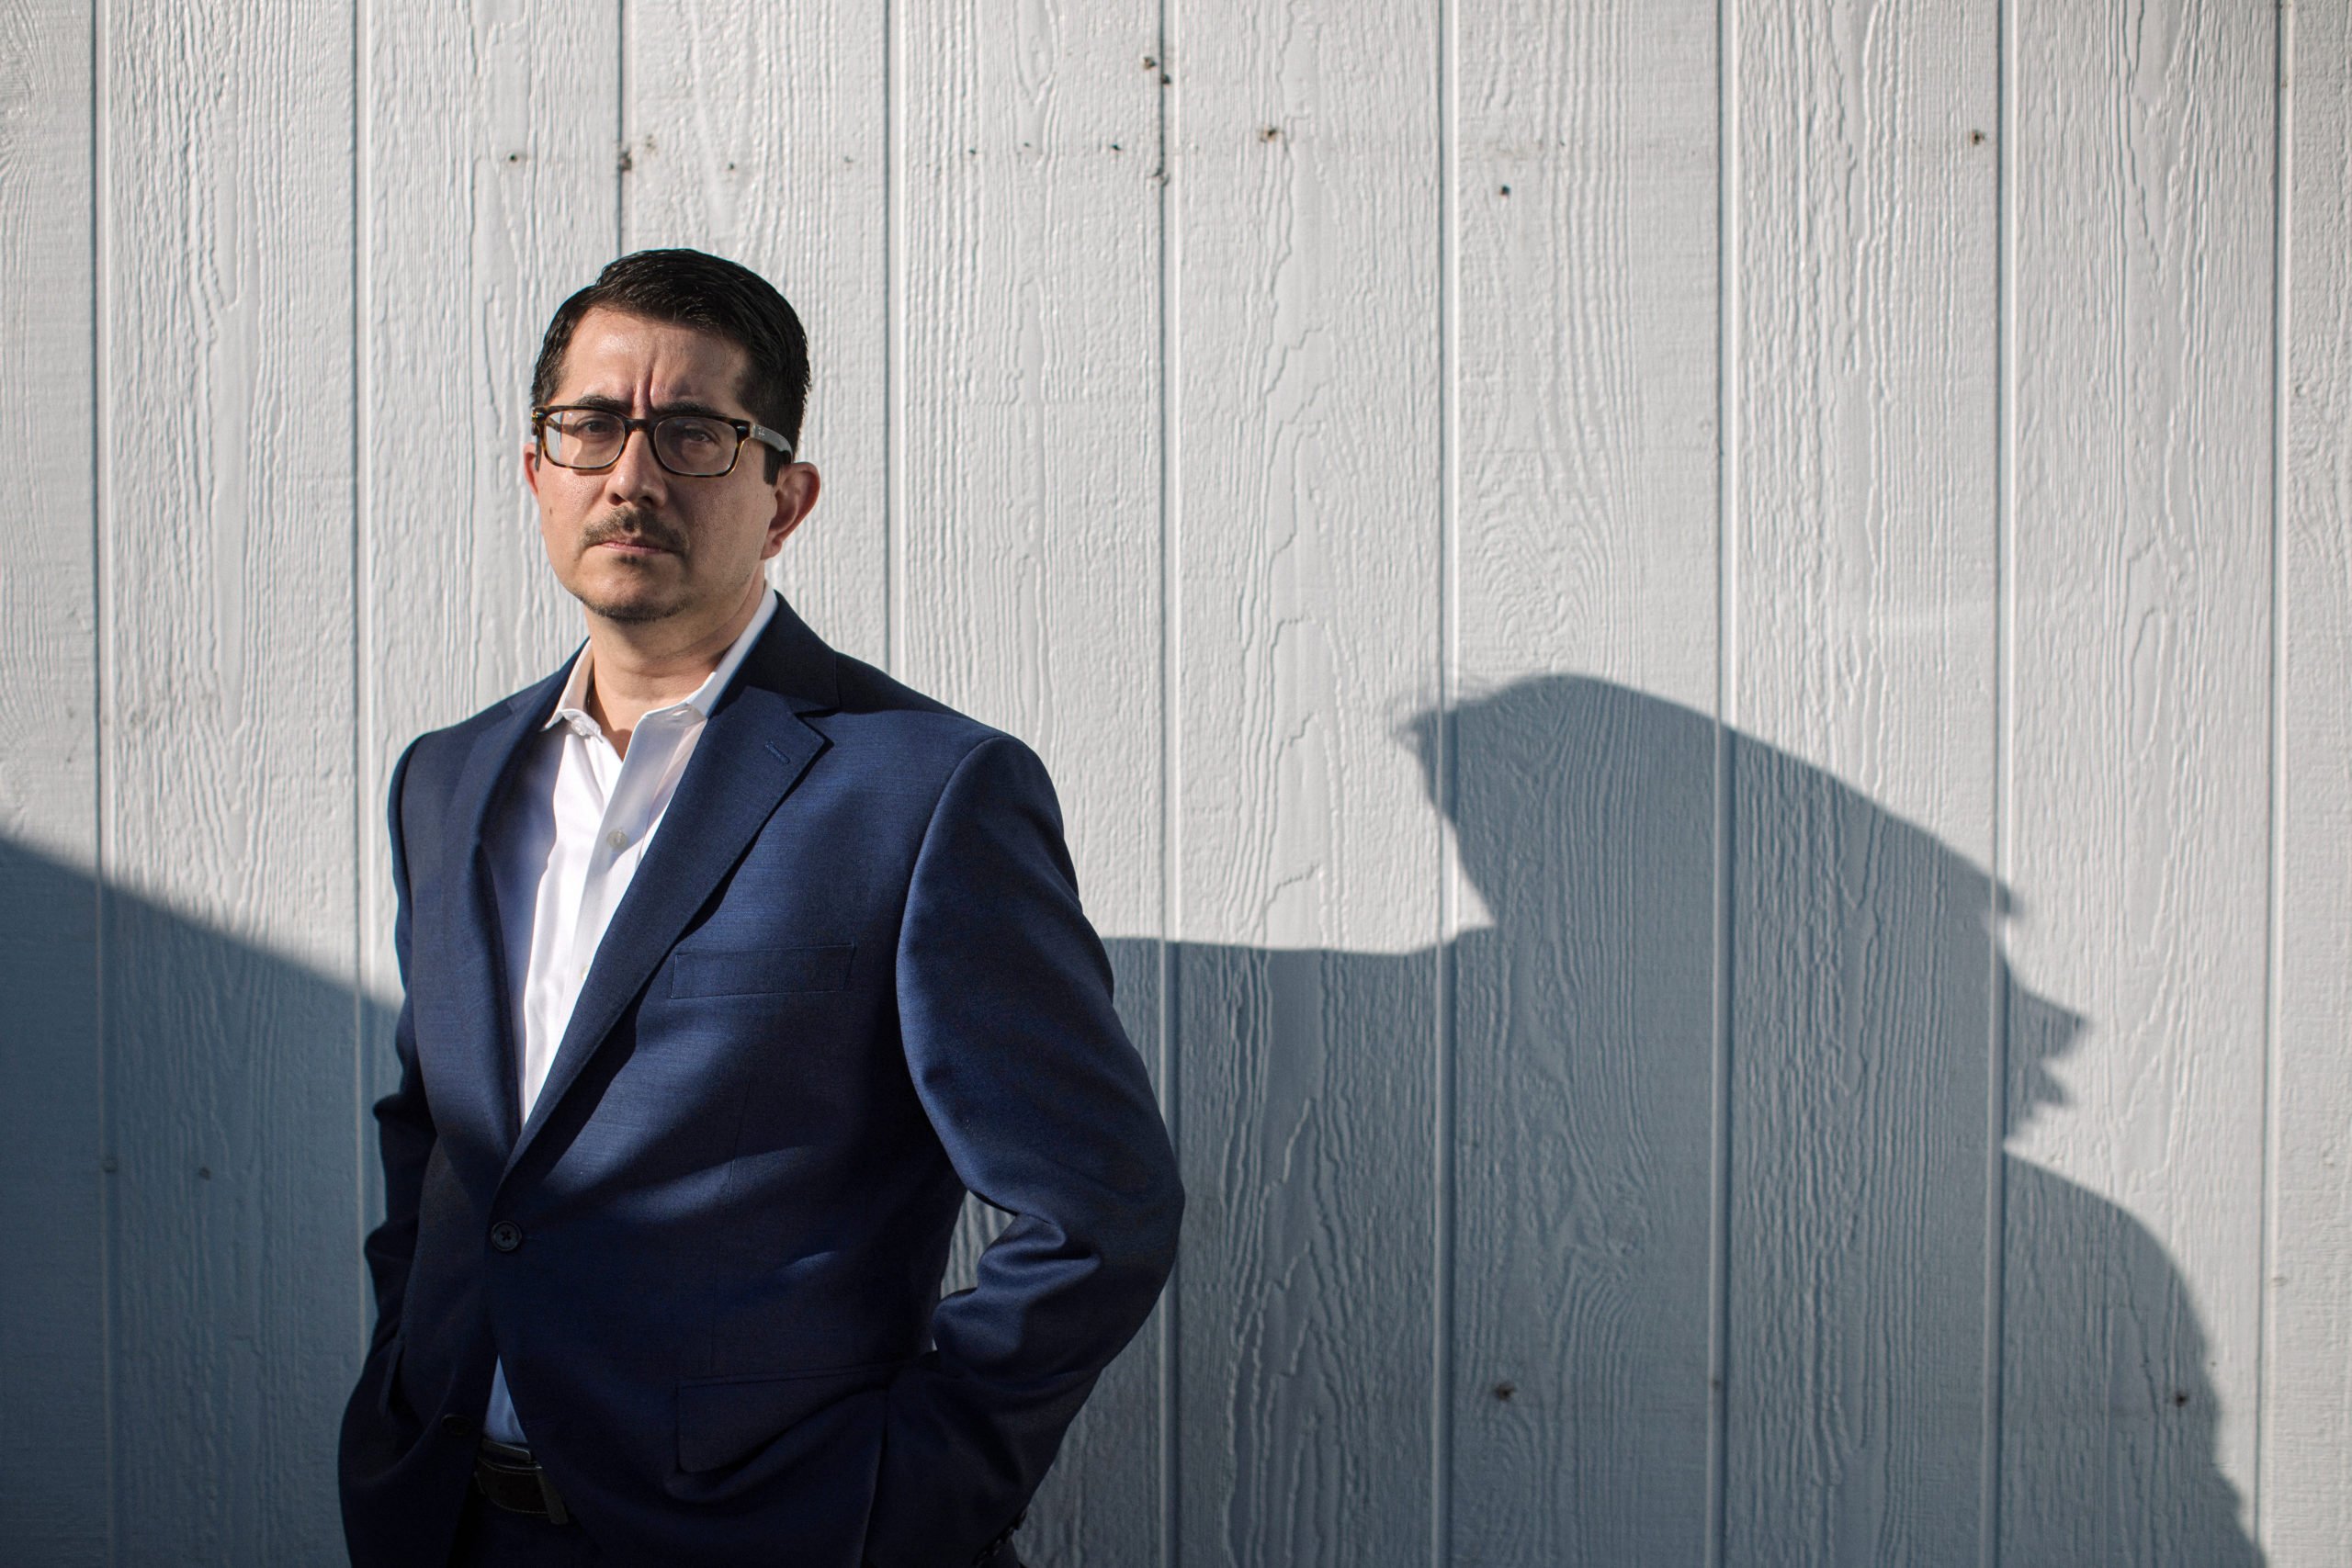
1696	655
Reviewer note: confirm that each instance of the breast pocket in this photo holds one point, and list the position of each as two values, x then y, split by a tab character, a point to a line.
758	972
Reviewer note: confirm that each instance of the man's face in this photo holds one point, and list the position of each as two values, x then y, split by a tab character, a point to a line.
634	542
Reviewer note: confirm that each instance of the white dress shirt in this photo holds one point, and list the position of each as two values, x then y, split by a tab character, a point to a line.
563	852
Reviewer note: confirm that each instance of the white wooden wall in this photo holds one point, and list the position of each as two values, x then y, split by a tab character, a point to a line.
1698	657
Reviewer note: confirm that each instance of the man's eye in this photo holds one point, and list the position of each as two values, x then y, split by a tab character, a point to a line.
591	426
694	433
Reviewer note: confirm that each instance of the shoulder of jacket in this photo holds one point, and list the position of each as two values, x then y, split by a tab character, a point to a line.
923	733
438	756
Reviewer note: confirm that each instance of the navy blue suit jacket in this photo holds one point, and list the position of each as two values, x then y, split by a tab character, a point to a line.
850	980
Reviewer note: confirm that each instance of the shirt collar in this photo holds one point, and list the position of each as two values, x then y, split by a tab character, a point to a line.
572	706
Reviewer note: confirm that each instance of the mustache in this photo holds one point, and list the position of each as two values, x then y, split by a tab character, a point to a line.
636	527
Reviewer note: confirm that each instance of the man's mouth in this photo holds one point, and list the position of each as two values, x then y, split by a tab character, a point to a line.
631	537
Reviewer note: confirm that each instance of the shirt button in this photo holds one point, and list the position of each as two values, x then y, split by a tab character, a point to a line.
457	1426
617	838
506	1235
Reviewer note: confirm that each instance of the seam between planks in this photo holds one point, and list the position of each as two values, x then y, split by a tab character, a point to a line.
1449	338
1170	1476
621	155
2274	946
1998	1045
363	604
101	629
1727	324
894	336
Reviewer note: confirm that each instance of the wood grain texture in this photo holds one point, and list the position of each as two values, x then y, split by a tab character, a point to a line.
1583	763
488	195
490	187
1030	543
2306	1477
1309	401
227	742
54	1504
759	132
2142	573
298	537
1861	811
1033	408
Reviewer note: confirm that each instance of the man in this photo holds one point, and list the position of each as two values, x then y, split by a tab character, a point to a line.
730	964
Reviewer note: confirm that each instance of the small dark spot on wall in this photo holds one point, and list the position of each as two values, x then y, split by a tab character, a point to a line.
1505	1389
2179	1396
514	157
109	1165
731	168
1149	64
1270	133
626	162
1115	147
204	1173
1502	191
1976	138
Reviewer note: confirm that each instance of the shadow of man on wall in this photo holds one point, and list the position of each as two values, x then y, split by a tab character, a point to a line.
1862	991
210	1305
1828	1081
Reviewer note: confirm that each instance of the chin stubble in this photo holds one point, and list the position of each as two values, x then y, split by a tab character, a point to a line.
636	526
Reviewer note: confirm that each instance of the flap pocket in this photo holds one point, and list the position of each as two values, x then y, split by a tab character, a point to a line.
752	972
722	1421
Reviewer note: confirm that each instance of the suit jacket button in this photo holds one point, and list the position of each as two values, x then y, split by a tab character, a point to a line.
457	1426
506	1235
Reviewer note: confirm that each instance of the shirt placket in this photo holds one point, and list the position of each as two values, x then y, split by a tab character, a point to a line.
620	831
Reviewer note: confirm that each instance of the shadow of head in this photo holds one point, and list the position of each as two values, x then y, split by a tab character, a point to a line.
1598	824
1717	974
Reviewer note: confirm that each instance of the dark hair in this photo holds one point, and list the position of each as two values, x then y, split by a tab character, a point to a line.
693	290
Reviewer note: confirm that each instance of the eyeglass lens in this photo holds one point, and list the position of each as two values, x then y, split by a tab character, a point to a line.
685	444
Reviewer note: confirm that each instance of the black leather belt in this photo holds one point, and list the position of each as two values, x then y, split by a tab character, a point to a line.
510	1479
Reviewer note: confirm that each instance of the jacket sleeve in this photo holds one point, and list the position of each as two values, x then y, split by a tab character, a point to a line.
403	1120
1043	1108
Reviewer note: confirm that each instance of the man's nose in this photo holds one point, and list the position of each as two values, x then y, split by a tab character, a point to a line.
636	473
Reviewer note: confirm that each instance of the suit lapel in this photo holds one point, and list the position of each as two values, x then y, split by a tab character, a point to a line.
475	1085
754	749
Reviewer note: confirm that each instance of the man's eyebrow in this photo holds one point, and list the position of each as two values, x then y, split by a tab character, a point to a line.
620	406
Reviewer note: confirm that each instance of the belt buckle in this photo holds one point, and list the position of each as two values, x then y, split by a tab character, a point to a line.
505	1460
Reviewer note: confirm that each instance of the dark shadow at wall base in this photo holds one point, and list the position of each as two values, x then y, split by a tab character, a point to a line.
181	1211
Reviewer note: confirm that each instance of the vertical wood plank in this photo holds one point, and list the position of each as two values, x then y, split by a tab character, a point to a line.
227	742
488	168
1584	770
759	132
510	110
54	1506
1031	536
2145	229
2306	1487
1862	784
488	194
1306	204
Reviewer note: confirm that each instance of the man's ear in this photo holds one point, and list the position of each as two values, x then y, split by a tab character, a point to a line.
531	467
796	496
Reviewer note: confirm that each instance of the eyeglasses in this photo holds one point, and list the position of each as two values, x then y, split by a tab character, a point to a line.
691	446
